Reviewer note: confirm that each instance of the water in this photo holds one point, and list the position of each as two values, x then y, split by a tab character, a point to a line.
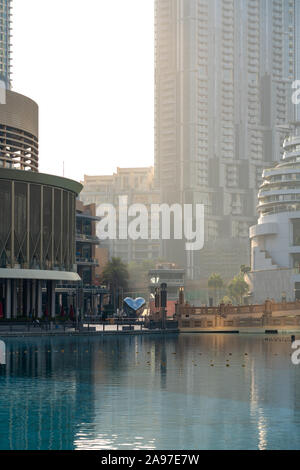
150	392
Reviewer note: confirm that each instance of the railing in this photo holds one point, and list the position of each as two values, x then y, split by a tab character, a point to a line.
85	288
87	261
190	311
89	238
263	322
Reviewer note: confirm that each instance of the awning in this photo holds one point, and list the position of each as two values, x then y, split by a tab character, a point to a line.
37	274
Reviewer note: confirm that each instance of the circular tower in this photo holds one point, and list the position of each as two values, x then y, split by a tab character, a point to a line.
275	240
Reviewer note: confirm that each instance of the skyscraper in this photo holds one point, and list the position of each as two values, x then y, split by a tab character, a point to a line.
224	70
5	42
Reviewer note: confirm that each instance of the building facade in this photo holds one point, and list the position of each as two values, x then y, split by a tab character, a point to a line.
135	184
223	77
86	296
37	213
86	242
275	240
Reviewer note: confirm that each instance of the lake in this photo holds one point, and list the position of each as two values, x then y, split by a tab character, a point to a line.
172	392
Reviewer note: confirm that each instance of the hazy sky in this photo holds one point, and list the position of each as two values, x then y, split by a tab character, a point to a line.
90	67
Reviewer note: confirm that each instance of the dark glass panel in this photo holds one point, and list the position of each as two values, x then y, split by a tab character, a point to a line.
35	226
47	227
5	223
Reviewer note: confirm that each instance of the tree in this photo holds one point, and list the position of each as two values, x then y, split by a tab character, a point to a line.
138	272
215	282
245	269
238	288
115	274
226	300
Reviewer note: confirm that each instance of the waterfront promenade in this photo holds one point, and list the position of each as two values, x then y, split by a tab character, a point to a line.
273	316
85	329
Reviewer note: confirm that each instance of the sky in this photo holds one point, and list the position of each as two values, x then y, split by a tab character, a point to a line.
90	67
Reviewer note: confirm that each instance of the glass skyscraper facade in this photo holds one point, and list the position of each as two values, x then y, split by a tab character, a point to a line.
5	42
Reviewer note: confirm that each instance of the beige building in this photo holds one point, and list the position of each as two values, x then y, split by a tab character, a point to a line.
138	185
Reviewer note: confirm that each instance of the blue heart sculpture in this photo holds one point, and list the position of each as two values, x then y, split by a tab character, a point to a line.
134	304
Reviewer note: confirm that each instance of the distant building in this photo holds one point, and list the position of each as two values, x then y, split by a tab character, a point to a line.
137	185
102	256
275	240
86	242
223	76
169	274
5	42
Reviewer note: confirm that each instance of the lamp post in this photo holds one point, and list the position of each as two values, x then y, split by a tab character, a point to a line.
181	296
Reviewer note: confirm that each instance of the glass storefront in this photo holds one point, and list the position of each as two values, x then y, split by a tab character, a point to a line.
37	229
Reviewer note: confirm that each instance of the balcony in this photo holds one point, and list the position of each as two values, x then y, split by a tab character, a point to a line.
83	238
87	261
261	230
85	215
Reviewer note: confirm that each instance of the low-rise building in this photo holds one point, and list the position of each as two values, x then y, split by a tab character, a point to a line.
137	184
86	296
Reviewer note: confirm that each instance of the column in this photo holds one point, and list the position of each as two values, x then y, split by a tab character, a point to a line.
39	299
100	304
94	303
53	283
33	299
14	299
8	299
27	307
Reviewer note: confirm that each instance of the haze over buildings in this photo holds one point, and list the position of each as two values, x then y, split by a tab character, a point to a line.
224	71
103	81
137	184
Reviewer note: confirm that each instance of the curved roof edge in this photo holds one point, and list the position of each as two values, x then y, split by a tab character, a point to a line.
40	178
37	274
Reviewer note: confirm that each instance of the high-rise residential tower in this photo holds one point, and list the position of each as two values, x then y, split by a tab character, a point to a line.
5	42
224	70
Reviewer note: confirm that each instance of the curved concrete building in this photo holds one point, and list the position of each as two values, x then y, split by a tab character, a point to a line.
19	133
37	217
275	240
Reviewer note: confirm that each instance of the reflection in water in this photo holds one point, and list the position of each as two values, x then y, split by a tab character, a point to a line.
177	392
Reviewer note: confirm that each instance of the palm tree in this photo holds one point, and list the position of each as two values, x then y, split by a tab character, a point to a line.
115	274
216	283
237	288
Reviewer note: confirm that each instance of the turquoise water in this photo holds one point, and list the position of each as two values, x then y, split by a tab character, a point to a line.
150	392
